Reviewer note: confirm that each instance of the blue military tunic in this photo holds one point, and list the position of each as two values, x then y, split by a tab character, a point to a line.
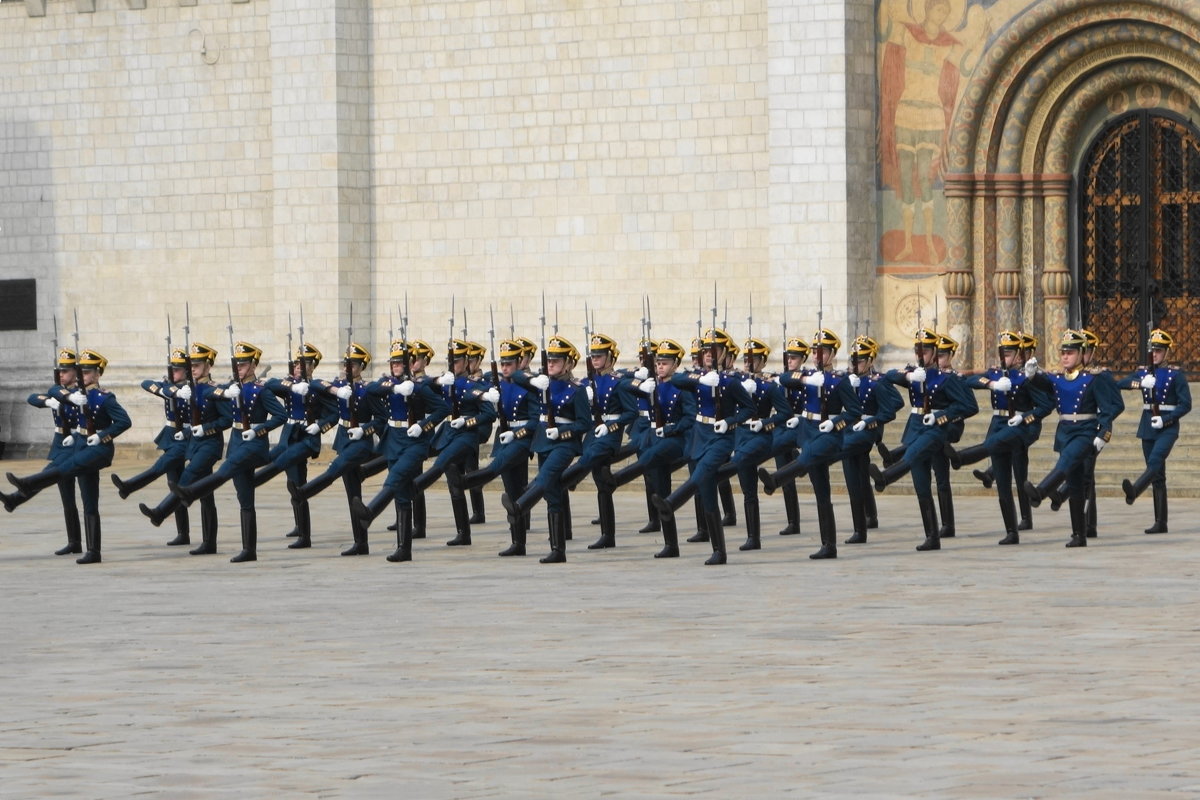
1170	399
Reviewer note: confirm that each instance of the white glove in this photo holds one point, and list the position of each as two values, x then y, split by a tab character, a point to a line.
313	429
659	432
178	436
446	379
1156	422
1015	421
507	437
1149	381
641	373
1031	368
721	426
647	386
552	434
184	392
492	395
711	378
355	434
93	440
916	376
929	419
404	388
793	422
78	398
540	382
817	379
233	392
755	425
68	440
855	380
53	404
590	394
458	422
249	435
345	393
826	426
750	385
414	430
859	426
1098	443
1002	385
197	430
300	388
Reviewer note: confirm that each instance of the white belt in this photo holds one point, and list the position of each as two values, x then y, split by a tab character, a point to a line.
645	414
1076	417
563	420
1147	407
999	412
290	421
706	420
397	423
813	415
610	417
345	423
516	424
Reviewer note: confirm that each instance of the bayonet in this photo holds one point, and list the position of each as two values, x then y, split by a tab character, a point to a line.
86	407
242	411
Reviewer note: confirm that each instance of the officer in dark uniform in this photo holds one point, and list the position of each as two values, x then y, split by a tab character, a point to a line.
415	407
663	443
722	404
101	420
565	419
475	355
938	400
788	435
1018	408
309	414
1166	398
172	440
518	410
1087	406
358	421
947	347
255	412
208	421
66	418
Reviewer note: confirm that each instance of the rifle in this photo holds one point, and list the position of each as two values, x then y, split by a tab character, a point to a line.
411	402
821	390
547	405
783	355
503	422
173	403
243	412
291	354
1154	409
86	407
716	390
352	401
512	324
656	410
194	403
597	405
926	402
64	430
309	415
454	407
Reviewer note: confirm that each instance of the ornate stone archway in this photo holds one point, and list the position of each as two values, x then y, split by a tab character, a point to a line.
1047	83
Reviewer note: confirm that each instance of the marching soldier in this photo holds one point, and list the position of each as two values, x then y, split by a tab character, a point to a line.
830	405
663	443
564	421
1018	408
172	440
788	435
101	420
1166	398
66	418
206	440
947	346
1087	406
255	412
353	443
415	407
475	355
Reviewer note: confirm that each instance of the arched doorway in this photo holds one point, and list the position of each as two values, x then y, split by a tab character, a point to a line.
1139	258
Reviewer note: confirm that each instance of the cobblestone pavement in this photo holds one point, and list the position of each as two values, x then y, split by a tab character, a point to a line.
974	672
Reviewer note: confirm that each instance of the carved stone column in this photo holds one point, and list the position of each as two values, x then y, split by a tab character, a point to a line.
959	281
1056	278
1007	279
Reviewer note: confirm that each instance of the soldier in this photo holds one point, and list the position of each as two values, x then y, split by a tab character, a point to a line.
564	421
357	424
415	407
309	414
255	412
938	399
208	421
1018	408
947	346
1087	406
1166	398
722	404
101	420
475	355
171	440
62	447
663	443
788	435
830	406
518	411
472	411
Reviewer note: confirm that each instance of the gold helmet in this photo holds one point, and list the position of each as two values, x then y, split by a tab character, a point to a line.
796	347
1161	339
924	337
308	352
947	344
418	348
178	358
669	349
398	350
1073	340
864	347
697	346
202	352
1091	339
755	347
1028	341
601	345
476	350
1009	340
90	359
356	352
559	347
527	345
721	339
459	348
244	351
510	350
67	358
826	338
647	345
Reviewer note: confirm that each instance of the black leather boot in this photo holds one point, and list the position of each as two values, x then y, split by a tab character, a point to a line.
471	480
1160	511
891	456
1057	496
888	476
249	538
1008	513
984	476
73	544
1135	488
558	542
11	501
568	528
358	530
139	481
418	515
303	526
91	532
608	523
968	455
478	512
701	534
753	525
372	467
403	551
667	506
517	530
869	501
1038	493
858	512
1025	523
1078	508
929	523
670	539
716	534
791	509
197	489
313	487
35	483
462	520
828	527
264	474
208	529
785	474
519	507
946	509
162	510
183	528
726	493
426	479
652	524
